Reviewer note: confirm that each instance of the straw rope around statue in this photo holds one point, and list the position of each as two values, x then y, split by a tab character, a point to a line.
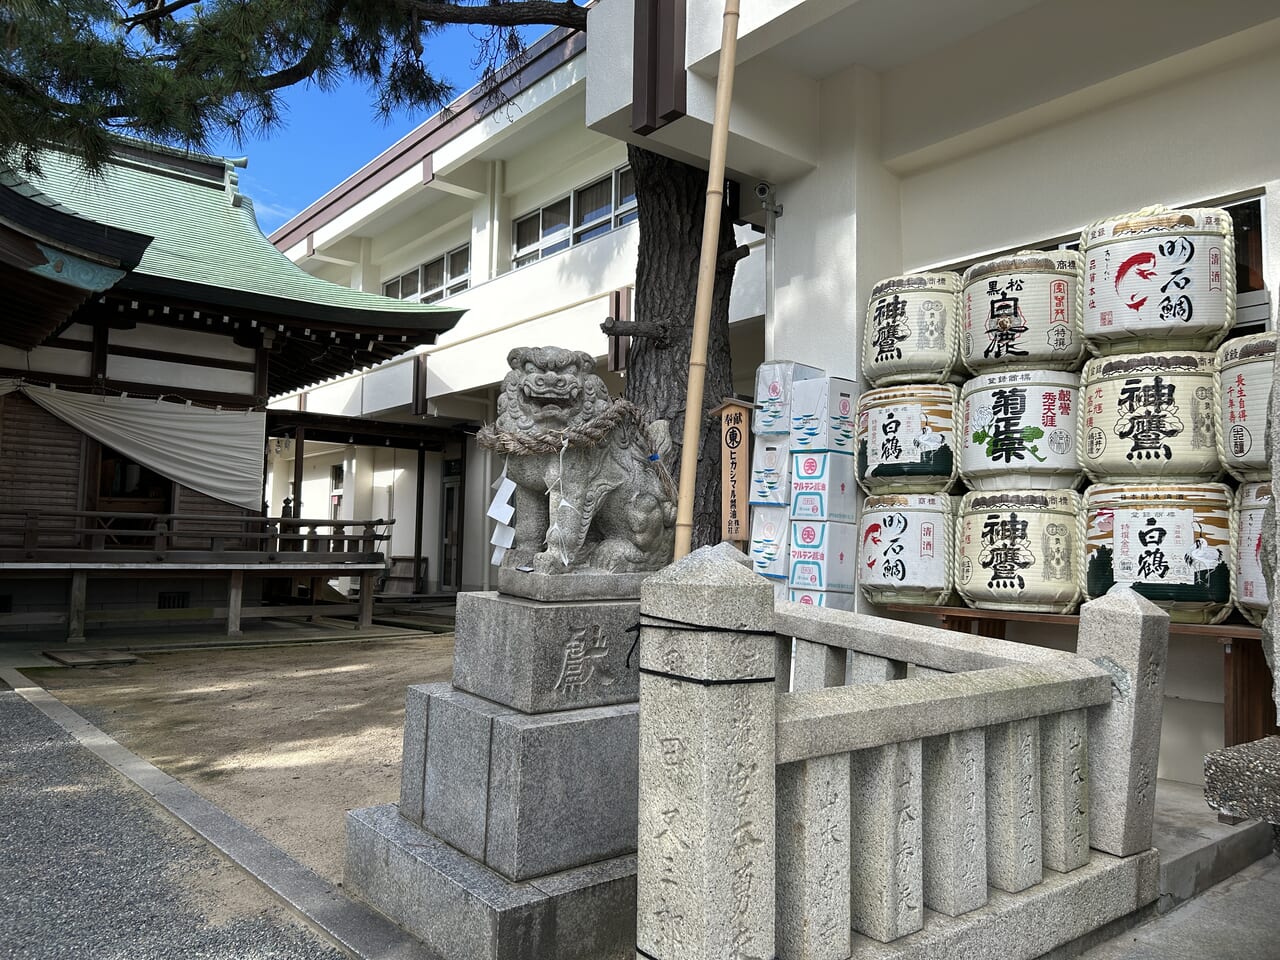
586	433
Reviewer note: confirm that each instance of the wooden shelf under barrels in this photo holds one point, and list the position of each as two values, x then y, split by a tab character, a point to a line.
1249	713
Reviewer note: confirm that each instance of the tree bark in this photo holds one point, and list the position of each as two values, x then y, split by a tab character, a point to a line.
671	202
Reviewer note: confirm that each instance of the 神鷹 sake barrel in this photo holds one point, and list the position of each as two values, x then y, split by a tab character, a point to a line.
1019	550
906	548
1158	279
1249	587
1171	543
906	441
911	332
1148	417
1243	381
1020	313
1019	430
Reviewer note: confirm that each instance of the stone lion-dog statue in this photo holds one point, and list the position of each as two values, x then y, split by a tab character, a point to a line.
592	492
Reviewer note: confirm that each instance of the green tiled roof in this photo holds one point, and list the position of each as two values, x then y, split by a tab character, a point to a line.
207	243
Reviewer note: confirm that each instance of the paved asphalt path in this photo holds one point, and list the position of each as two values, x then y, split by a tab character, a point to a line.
92	869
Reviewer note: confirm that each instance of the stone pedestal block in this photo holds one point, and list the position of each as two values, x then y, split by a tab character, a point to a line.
579	585
525	794
955	822
1128	635
539	657
1014	859
1244	780
1064	784
887	883
462	910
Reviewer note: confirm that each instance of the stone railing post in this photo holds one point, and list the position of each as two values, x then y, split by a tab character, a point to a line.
1127	635
705	879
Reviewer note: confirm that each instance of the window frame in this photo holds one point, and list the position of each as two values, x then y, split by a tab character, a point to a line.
450	286
616	216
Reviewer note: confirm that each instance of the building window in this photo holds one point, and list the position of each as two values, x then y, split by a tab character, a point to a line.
588	212
434	280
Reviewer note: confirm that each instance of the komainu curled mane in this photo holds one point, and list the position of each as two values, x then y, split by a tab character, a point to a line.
592	492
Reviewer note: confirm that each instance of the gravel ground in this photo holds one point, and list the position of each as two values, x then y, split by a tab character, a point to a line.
90	869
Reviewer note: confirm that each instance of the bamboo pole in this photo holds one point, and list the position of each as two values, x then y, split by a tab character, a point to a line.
706	280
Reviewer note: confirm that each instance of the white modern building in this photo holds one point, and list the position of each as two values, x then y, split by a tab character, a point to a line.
899	135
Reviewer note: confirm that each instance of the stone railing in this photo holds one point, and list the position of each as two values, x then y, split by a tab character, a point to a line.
913	791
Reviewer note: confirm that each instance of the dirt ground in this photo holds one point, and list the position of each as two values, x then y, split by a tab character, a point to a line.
284	738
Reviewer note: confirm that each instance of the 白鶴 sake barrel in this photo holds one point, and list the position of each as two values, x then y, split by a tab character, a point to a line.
1248	583
1171	543
1020	313
1019	430
911	332
1243	381
1148	417
905	555
1158	279
906	441
1019	550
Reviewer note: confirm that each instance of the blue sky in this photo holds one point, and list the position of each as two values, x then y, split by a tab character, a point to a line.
328	136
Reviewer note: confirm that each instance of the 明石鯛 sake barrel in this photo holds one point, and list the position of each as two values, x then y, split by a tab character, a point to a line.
1249	587
1019	550
1170	542
906	439
1148	417
1243	383
1020	313
911	332
906	541
1158	279
1018	430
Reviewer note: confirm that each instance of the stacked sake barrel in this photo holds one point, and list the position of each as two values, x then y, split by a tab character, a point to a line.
906	445
1018	542
1158	296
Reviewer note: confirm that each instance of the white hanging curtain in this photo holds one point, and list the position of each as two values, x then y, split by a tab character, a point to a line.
216	452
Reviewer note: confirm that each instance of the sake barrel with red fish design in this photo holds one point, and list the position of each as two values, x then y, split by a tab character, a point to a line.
1020	313
906	555
1243	382
1158	278
1019	550
911	332
1018	430
1148	417
906	439
1170	542
1249	588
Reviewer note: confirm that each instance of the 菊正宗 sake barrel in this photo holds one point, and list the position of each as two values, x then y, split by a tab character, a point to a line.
906	441
911	332
1020	313
1158	279
1245	368
1019	550
1248	582
1148	417
906	548
1019	430
1171	543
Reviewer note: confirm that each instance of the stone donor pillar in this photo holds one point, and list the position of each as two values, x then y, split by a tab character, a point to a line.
1128	635
705	882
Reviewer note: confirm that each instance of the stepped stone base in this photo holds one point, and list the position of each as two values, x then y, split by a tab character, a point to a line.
579	585
462	910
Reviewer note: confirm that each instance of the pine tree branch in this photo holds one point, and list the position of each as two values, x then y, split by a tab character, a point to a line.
157	11
516	13
730	257
660	333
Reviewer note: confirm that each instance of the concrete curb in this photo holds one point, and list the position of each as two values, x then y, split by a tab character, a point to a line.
357	930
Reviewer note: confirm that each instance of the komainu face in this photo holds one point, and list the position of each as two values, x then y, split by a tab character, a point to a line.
548	389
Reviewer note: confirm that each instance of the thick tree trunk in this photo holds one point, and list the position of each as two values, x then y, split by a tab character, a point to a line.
671	201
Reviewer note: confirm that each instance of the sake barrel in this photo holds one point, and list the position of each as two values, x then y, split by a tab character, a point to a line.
1243	382
911	333
905	555
1171	543
906	440
1148	417
1019	550
1248	582
1019	430
1020	313
1158	279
